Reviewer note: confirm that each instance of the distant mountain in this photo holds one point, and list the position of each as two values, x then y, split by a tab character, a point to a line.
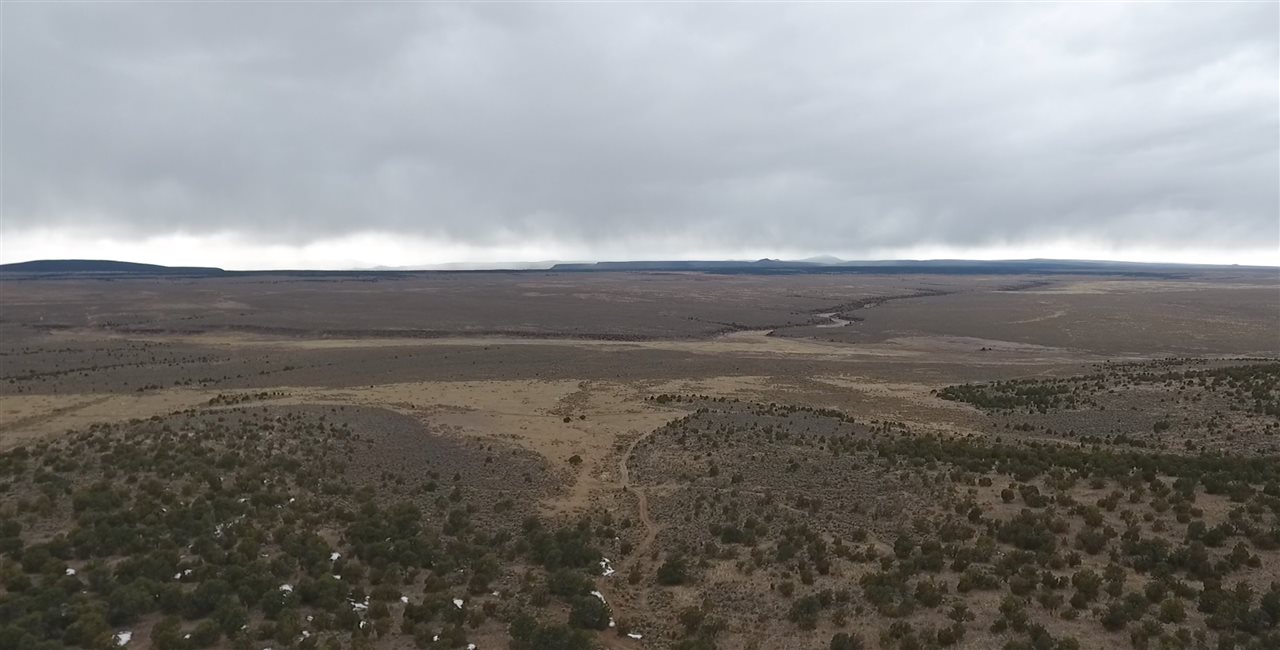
823	259
834	265
472	266
683	265
103	266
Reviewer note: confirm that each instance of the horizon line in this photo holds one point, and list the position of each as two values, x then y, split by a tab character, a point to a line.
550	264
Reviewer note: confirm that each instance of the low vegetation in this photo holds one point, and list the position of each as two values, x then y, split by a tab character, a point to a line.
868	534
244	528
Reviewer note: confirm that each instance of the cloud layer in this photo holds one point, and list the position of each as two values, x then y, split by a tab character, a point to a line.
644	130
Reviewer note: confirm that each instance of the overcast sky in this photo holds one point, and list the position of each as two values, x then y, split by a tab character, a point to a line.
324	135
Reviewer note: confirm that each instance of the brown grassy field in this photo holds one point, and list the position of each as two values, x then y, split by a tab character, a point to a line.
793	461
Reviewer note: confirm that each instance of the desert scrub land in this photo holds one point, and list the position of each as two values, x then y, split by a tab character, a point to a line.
243	522
866	534
1192	404
250	528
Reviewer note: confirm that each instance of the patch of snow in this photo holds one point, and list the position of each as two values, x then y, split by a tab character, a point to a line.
635	635
123	638
287	588
471	646
71	571
404	599
333	557
606	567
612	623
458	602
600	596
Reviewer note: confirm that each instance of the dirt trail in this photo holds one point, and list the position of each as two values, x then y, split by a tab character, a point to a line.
607	638
642	499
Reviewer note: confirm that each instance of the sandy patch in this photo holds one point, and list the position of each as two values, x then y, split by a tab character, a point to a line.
24	418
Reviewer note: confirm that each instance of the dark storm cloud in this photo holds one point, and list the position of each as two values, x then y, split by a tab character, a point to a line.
806	127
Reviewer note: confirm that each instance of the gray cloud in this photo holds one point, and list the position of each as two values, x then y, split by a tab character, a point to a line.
810	127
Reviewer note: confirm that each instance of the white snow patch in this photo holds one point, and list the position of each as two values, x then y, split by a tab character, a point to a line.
458	602
123	638
606	567
333	557
71	571
287	588
404	599
635	635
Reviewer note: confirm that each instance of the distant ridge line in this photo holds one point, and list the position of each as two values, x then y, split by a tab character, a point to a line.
104	266
111	268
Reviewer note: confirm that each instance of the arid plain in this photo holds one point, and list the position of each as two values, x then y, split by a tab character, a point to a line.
636	460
